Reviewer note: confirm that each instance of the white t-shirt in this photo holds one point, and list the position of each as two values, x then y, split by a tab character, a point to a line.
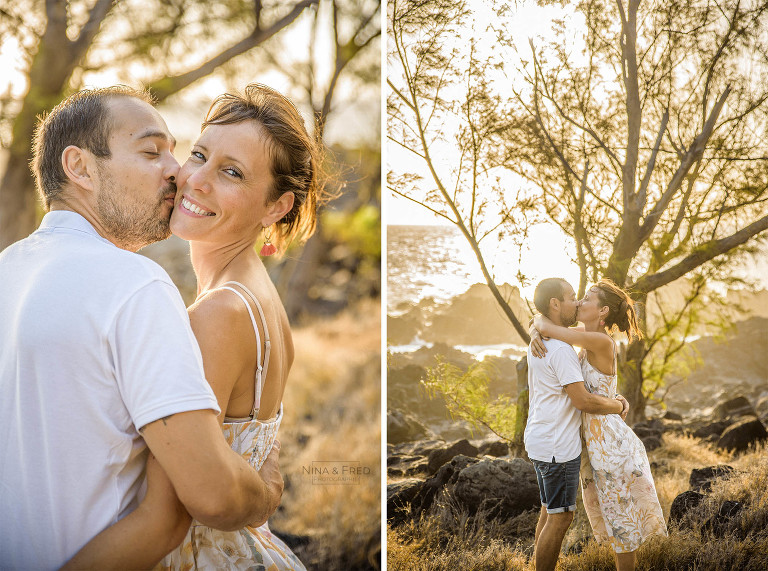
95	343
554	424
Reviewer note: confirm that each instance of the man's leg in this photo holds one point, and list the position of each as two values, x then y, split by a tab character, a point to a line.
550	540
558	487
541	524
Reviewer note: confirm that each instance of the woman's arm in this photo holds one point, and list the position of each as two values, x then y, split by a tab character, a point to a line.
143	537
592	341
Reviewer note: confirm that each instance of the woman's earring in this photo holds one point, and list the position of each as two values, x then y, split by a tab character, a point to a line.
268	248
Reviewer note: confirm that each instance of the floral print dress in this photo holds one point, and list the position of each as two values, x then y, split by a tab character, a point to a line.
617	486
250	548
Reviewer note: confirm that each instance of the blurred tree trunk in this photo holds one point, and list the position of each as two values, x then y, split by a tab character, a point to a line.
302	272
56	58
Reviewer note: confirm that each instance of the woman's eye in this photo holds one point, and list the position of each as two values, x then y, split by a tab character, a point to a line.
198	155
233	172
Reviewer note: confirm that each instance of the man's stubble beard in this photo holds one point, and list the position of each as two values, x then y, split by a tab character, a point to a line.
131	225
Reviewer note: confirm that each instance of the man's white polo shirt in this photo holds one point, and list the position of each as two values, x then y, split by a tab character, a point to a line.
95	343
553	430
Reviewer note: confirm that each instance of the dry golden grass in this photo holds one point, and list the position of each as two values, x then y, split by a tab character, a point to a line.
742	546
332	414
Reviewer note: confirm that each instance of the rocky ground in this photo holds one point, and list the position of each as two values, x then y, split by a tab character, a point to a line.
433	461
483	477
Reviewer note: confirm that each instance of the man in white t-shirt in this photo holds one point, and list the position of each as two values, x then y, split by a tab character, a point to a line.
96	347
557	396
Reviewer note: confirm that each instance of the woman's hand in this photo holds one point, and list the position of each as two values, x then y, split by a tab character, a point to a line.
624	406
537	344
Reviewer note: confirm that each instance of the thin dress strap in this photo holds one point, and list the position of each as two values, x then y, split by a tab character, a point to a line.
261	368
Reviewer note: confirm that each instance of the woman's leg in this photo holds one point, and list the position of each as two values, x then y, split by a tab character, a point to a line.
625	561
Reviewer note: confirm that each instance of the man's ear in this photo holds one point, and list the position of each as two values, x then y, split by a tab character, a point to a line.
78	165
554	306
278	209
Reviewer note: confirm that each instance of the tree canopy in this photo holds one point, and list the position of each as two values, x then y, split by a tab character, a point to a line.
638	127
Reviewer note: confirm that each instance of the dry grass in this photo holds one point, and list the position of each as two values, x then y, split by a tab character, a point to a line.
332	419
434	543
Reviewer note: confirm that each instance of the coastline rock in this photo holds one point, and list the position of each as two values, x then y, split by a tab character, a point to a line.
669	415
712	429
733	366
682	504
498	488
402	427
402	329
734	408
494	448
427	357
651	442
702	478
720	523
399	497
440	456
650	432
399	467
445	476
417	448
490	488
474	318
740	435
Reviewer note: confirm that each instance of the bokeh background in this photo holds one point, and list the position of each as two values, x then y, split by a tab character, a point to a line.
324	55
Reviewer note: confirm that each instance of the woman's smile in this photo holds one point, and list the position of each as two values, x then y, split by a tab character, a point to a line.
187	206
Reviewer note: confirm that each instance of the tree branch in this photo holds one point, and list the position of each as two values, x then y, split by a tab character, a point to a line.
89	30
166	87
700	255
692	155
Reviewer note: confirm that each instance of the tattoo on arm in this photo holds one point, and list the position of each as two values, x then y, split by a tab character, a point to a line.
141	430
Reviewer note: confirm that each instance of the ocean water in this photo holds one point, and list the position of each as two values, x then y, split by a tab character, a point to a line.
427	261
436	261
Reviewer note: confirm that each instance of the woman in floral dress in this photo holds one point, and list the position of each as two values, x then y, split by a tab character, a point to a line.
253	171
617	485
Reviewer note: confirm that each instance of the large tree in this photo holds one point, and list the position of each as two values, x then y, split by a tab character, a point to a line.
639	129
642	125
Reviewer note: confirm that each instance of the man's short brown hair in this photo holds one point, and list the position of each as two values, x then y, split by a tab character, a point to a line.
546	290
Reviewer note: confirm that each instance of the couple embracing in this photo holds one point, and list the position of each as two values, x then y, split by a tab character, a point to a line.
573	398
106	376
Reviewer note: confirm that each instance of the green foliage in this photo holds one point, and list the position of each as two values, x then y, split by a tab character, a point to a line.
360	229
679	313
466	397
